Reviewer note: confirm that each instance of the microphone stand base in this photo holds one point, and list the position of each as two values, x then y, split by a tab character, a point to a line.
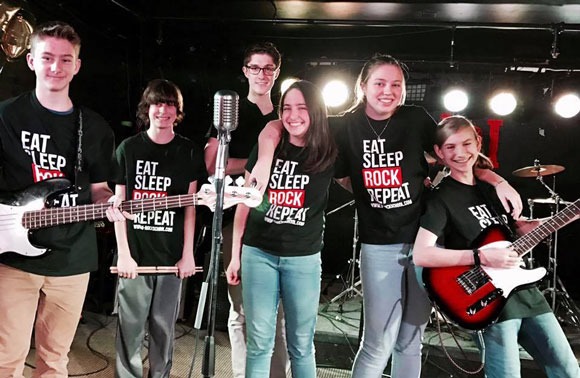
208	366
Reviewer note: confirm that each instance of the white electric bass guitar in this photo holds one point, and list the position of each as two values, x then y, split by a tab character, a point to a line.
24	211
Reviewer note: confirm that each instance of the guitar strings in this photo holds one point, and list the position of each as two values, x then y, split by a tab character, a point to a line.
54	216
528	241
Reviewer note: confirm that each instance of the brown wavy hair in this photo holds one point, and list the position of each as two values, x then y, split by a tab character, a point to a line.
320	148
159	91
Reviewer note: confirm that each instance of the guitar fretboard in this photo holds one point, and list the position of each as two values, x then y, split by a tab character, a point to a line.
64	215
534	237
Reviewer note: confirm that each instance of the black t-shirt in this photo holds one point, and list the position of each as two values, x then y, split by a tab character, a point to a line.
290	219
387	173
151	170
458	213
250	122
37	144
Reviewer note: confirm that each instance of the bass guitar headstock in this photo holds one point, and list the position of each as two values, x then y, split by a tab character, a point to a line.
233	195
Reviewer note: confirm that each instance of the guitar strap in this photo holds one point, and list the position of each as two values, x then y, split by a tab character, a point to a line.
79	150
78	167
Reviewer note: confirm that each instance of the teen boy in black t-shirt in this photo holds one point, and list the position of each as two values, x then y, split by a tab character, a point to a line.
38	140
261	68
155	163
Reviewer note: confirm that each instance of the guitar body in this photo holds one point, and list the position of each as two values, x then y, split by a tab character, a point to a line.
474	296
13	234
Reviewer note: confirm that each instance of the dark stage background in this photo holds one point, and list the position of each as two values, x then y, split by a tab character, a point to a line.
199	46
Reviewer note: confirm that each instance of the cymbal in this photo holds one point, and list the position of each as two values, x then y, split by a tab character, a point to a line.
548	201
538	170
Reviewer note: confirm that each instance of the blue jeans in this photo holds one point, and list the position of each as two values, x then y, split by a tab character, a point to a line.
396	311
541	336
265	279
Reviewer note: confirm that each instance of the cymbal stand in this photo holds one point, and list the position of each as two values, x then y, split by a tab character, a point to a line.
351	279
560	299
552	192
532	261
556	286
552	240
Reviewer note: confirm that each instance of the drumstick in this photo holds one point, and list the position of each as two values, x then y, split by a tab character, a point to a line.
156	269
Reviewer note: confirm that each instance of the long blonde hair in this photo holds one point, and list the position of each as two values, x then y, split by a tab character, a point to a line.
454	124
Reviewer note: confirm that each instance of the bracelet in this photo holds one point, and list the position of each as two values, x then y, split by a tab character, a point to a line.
476	259
502	181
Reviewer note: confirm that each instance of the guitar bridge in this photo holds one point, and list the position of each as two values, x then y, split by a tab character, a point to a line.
484	302
472	280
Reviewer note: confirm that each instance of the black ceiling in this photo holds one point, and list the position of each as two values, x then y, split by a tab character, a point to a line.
495	13
518	33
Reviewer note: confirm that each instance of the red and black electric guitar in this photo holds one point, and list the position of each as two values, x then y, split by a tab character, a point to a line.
24	211
473	296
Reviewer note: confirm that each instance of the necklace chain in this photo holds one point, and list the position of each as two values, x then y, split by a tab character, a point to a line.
373	129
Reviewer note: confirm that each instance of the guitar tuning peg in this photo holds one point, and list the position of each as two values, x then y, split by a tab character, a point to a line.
240	181
228	180
211	179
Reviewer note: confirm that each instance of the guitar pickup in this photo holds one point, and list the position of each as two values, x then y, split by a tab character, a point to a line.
484	302
473	279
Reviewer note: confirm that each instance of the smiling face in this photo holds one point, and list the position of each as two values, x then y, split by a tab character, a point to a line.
295	116
162	116
261	83
460	151
55	62
383	91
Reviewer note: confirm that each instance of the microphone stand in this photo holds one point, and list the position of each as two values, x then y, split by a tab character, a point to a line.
208	365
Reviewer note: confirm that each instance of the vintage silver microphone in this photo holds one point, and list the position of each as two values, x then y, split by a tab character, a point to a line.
225	110
225	120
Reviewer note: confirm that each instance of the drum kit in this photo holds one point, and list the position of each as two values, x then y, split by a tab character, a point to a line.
560	300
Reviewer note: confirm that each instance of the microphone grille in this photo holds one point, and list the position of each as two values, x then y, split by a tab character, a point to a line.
225	110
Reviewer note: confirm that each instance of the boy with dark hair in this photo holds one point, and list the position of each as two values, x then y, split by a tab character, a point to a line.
261	68
154	163
266	48
40	139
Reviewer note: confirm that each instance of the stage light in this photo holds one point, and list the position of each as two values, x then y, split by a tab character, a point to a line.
335	93
503	103
568	105
286	83
455	100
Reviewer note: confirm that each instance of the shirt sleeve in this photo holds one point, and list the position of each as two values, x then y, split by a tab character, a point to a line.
212	132
252	159
338	132
120	166
198	171
428	125
436	215
102	166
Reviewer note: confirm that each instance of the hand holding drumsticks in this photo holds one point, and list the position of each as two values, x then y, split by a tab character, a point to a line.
156	270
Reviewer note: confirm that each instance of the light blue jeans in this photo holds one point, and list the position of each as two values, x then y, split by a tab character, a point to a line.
265	279
396	311
541	336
